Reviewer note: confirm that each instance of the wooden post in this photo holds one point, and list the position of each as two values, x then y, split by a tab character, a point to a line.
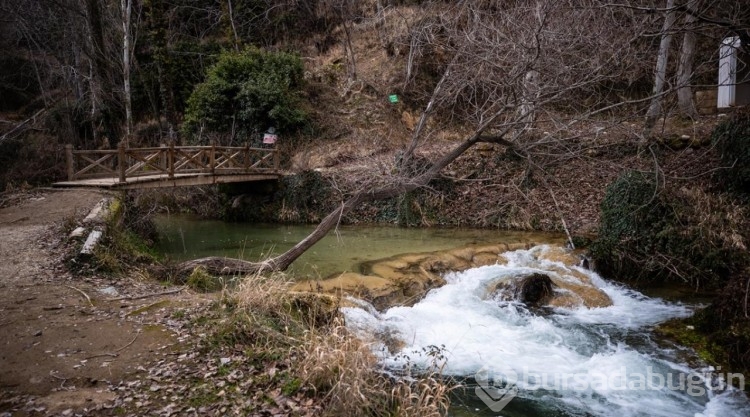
121	160
247	157
275	159
163	156
69	162
212	157
170	159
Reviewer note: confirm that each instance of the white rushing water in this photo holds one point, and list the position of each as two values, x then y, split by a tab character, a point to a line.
574	361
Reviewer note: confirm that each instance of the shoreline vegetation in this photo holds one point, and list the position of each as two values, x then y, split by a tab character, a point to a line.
499	115
705	218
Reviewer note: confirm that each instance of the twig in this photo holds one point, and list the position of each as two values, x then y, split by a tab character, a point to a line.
98	355
64	380
22	124
20	219
140	297
57	377
116	353
559	213
131	342
82	293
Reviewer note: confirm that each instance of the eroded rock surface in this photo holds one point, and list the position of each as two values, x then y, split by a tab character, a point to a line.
405	279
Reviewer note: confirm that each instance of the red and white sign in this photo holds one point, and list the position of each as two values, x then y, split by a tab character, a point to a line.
269	139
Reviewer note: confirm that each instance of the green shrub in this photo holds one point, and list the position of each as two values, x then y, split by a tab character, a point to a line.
200	280
247	92
652	234
732	139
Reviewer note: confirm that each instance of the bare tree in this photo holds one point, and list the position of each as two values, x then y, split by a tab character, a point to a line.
655	109
502	64
685	66
126	8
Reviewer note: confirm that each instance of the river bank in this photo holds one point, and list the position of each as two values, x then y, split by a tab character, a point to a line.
87	340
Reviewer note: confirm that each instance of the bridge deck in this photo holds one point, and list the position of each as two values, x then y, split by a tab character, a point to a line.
161	181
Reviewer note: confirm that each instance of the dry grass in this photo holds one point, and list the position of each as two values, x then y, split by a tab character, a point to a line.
718	216
262	294
342	368
337	367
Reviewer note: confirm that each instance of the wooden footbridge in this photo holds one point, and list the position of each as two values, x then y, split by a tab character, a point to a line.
168	166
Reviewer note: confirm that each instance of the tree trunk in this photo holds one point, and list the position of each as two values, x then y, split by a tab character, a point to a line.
235	37
126	9
350	53
655	109
685	67
101	83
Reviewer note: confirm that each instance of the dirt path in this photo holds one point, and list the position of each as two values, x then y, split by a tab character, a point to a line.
59	353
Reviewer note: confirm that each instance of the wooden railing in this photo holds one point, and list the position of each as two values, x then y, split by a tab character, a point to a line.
169	161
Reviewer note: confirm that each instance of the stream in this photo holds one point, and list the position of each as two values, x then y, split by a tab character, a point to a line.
513	360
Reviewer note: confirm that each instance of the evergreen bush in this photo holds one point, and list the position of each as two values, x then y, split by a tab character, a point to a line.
651	234
732	140
245	93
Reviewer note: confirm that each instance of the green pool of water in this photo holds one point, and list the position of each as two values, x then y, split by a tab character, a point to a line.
185	237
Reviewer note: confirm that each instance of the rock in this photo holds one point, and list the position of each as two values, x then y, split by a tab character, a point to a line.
91	242
77	232
405	279
534	290
377	290
705	101
99	213
110	291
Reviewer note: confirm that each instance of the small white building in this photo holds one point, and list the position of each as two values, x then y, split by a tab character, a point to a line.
734	75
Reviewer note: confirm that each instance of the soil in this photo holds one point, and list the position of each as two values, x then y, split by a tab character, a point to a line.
68	342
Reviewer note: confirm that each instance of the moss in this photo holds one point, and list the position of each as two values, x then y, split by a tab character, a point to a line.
724	348
291	386
685	333
202	397
115	210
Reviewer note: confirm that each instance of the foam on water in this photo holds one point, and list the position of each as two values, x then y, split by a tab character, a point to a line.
598	361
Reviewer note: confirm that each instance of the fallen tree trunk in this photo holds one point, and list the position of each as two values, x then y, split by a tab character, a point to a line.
231	266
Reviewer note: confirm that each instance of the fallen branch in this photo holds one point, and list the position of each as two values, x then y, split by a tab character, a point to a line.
20	219
113	355
82	293
140	297
64	380
131	342
22	124
116	353
559	213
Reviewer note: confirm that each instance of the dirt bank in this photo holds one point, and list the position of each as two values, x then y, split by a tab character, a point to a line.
66	342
